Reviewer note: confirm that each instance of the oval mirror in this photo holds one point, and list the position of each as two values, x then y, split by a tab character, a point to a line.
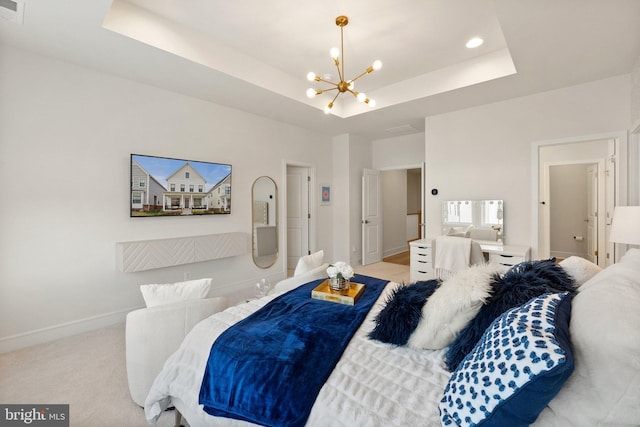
264	196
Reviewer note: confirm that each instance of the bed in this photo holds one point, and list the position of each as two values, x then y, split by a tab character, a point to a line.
377	383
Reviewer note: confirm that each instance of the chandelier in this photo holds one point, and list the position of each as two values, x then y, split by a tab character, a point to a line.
343	85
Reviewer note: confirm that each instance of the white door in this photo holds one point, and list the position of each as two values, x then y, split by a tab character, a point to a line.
371	217
611	199
592	213
297	214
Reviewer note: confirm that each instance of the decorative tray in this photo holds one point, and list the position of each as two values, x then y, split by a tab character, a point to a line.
349	297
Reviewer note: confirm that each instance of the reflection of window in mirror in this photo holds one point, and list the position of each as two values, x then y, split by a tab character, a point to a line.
459	212
481	220
492	213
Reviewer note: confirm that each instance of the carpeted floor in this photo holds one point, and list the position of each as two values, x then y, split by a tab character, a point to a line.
88	372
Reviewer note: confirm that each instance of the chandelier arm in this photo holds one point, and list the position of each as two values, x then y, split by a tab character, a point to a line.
320	79
335	97
367	71
327	90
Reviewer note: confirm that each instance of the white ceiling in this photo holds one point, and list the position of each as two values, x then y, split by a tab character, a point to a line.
254	54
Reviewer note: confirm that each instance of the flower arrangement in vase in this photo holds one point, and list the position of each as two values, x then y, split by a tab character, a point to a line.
339	274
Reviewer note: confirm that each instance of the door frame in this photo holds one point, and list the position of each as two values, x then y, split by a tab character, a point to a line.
313	208
620	142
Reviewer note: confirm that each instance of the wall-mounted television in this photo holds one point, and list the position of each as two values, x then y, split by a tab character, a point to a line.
162	186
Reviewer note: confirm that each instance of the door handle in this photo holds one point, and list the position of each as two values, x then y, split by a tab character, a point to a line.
364	221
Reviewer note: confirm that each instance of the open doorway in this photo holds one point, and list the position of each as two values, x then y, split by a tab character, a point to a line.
299	193
576	200
402	212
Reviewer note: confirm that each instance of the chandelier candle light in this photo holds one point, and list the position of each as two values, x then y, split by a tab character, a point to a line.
342	86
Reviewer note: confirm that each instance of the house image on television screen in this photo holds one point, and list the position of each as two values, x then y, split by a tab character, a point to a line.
162	186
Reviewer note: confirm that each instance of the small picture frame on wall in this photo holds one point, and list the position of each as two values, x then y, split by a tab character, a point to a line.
325	194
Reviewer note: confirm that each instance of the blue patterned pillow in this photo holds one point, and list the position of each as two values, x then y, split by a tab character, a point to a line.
518	285
516	368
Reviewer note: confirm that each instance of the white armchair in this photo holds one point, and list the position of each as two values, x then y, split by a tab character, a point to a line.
154	333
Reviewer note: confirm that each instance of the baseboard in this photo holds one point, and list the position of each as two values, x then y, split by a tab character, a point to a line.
395	251
241	290
63	330
565	255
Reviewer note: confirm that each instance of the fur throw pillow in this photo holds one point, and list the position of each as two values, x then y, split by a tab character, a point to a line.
456	301
517	286
402	312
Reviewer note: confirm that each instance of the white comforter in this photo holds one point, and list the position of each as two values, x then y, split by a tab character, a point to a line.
374	384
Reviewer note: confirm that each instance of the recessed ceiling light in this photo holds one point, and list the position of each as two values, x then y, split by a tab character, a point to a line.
474	42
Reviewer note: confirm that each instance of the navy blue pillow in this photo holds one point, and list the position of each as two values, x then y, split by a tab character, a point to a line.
517	367
399	318
517	286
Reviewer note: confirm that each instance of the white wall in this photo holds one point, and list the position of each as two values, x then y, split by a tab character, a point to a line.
399	152
484	152
395	155
340	202
635	95
66	134
360	153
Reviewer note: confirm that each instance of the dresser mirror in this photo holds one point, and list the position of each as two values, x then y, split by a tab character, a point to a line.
264	197
481	220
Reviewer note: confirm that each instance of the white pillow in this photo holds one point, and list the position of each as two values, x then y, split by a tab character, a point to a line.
456	301
604	388
295	281
307	263
160	294
580	269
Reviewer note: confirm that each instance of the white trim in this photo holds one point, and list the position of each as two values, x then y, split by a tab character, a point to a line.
236	292
62	330
401	167
634	164
621	140
395	251
565	255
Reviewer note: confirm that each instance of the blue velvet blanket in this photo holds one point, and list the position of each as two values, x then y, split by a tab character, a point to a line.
269	368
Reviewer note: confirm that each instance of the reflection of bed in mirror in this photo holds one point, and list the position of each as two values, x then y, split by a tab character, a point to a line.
480	220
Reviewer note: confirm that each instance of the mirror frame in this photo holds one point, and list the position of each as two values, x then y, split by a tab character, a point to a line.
270	227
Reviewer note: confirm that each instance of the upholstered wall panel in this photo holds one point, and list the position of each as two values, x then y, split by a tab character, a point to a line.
221	246
149	254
